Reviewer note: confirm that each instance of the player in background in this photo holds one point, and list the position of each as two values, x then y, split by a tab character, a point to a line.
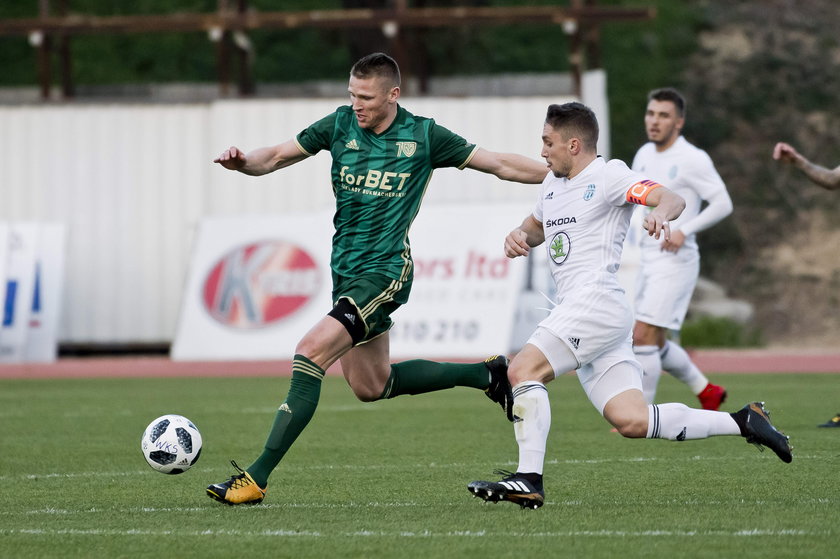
821	176
582	215
383	157
670	267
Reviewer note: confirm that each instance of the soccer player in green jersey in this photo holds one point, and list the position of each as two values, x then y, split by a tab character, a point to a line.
383	157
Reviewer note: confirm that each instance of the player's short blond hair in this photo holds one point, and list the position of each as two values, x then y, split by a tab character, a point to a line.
378	65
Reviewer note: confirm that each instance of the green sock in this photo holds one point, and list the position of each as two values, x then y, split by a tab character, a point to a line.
419	376
291	418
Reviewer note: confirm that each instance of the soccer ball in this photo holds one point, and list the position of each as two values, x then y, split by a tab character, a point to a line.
171	444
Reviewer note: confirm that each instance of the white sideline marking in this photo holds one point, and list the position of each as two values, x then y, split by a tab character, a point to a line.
419	534
67	475
379	467
156	510
349	505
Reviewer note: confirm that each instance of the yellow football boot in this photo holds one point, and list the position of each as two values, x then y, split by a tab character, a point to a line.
240	489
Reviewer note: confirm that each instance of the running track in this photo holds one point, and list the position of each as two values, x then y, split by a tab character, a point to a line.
709	361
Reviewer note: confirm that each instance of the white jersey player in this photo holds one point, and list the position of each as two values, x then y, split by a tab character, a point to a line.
670	268
582	216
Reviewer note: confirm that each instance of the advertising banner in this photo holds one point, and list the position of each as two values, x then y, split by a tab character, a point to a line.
466	290
4	260
31	280
48	282
22	247
257	284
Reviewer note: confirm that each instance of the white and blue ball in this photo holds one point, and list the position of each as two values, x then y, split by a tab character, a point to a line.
171	444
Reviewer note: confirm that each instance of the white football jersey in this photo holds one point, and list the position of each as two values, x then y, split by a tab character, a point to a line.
585	220
688	171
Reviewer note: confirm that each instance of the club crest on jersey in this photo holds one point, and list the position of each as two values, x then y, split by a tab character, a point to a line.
559	247
589	192
406	149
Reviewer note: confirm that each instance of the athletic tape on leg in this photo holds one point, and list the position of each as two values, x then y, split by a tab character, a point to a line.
348	315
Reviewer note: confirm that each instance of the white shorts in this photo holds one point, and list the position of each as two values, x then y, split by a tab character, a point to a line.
664	287
591	331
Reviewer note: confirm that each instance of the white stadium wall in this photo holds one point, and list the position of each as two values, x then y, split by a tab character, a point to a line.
131	183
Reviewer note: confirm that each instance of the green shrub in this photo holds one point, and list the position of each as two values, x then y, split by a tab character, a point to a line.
708	331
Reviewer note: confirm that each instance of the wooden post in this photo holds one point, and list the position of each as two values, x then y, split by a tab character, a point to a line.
245	57
44	48
65	60
592	41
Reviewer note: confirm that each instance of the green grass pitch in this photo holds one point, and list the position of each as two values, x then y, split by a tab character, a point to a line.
388	479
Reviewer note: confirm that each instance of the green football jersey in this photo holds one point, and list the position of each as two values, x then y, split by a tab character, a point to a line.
379	181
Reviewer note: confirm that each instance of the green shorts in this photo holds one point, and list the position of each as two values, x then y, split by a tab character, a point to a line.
375	297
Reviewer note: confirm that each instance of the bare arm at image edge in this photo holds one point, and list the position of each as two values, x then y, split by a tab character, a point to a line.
822	176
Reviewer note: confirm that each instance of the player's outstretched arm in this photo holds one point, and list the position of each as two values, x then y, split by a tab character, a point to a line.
786	153
666	207
261	160
508	166
822	176
519	241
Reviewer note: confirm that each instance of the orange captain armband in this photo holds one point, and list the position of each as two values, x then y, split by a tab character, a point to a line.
638	193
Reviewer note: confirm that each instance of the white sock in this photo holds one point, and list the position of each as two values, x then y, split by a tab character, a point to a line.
678	422
533	420
648	357
676	361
